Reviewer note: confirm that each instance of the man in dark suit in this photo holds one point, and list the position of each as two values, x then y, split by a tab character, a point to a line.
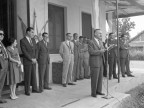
3	64
96	51
43	62
112	56
124	56
28	47
76	53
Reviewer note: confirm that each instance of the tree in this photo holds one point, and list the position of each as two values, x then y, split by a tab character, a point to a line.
125	26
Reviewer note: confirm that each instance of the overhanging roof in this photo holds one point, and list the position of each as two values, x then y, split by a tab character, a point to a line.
127	8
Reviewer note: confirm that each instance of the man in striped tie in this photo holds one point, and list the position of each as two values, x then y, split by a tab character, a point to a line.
67	53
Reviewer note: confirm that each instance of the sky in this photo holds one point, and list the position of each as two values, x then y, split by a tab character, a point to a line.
139	21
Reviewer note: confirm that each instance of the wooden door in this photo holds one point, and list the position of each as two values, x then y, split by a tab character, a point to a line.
86	25
56	27
8	19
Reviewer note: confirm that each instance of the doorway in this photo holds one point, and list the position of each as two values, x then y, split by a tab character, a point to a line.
8	19
8	23
56	27
86	25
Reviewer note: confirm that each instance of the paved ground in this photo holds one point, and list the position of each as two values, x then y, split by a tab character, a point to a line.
78	96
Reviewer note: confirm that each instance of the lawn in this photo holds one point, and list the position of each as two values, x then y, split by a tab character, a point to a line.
136	100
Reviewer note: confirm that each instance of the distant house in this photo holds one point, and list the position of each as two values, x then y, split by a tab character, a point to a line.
137	42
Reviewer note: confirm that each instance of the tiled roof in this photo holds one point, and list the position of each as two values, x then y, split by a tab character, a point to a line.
137	36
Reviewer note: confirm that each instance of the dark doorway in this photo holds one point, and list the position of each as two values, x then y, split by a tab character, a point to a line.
8	19
56	27
86	25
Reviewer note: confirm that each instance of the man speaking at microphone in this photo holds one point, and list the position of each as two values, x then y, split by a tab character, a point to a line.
96	60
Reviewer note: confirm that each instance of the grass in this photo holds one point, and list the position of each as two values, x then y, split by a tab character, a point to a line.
136	100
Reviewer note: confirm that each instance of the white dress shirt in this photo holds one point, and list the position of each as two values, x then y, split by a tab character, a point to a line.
97	41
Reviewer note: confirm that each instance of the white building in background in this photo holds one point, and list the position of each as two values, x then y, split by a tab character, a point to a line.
73	16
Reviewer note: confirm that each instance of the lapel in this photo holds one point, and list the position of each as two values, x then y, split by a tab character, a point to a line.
75	43
96	44
27	42
45	44
67	45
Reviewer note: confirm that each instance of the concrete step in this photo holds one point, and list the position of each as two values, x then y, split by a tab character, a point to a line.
99	102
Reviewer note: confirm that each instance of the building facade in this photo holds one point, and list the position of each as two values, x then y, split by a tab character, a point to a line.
73	16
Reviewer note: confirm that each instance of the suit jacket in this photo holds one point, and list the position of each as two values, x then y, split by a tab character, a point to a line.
66	50
76	51
124	49
42	53
96	57
28	50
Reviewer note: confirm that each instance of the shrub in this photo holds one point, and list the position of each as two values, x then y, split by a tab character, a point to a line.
136	54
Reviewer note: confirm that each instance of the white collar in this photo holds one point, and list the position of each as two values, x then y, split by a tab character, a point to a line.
96	40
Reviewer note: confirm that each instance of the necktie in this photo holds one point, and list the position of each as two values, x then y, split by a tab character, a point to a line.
30	41
70	48
46	43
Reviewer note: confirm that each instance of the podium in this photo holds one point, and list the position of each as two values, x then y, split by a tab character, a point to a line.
57	68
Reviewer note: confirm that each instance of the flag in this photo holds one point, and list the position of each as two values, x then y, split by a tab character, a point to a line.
35	24
23	26
44	26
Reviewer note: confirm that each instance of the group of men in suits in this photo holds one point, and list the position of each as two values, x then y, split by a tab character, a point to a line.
113	56
69	50
35	53
75	55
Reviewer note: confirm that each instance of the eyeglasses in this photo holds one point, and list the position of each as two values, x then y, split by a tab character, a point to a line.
1	34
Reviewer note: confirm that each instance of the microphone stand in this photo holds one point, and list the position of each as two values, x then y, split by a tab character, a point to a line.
107	96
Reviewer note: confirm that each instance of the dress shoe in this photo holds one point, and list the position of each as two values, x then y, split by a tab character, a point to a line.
28	94
64	85
75	80
3	101
94	96
35	91
80	78
87	77
99	93
115	77
123	75
47	88
13	97
130	75
71	84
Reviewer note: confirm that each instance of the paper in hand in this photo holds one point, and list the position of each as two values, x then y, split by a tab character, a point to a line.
111	47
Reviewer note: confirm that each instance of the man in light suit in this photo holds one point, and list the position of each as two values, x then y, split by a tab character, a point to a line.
76	53
96	51
67	53
124	56
43	62
3	64
28	47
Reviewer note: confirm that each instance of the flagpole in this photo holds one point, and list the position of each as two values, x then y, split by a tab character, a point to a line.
118	41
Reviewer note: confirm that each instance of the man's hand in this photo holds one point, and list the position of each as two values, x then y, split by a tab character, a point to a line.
34	61
102	50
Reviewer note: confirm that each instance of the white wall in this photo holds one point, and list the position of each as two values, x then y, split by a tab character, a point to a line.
102	18
73	9
73	15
